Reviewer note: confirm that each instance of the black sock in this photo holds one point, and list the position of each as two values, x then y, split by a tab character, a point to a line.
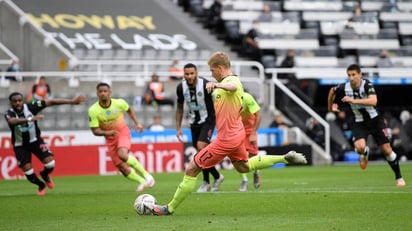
47	170
214	173
35	180
45	173
395	167
206	175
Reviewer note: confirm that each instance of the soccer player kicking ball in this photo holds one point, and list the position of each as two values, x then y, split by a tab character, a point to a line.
227	94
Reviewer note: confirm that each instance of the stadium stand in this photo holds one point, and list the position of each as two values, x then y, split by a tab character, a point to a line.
328	34
325	34
316	26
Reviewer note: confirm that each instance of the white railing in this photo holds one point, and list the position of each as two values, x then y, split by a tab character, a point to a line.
10	54
48	41
150	66
146	68
326	152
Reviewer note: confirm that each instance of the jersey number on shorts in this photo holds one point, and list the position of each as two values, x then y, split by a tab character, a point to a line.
205	156
44	147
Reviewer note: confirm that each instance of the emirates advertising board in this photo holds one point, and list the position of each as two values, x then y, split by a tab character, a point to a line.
80	153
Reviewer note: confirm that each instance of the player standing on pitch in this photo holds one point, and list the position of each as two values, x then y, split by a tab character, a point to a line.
192	90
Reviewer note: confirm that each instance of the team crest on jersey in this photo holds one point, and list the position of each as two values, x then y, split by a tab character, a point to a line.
25	128
108	112
199	94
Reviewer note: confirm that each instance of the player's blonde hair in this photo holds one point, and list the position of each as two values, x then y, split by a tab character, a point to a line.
219	58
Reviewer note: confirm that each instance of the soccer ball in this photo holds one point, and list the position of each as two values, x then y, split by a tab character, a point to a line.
143	204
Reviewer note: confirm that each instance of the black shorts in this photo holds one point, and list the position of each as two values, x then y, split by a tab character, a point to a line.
201	132
375	127
38	148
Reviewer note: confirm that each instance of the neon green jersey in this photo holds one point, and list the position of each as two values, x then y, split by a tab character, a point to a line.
110	118
250	107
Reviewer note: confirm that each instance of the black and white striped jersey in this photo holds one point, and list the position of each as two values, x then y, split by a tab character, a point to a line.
198	101
24	134
361	113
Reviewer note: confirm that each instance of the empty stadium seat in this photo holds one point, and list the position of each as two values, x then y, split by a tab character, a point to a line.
269	61
92	54
63	109
178	54
79	53
192	54
121	54
196	7
80	121
135	54
107	54
326	51
232	31
63	122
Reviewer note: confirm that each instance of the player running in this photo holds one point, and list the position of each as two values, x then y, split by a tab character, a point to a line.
106	119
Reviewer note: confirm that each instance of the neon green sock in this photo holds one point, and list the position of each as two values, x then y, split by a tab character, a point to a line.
133	162
184	189
261	162
133	176
244	176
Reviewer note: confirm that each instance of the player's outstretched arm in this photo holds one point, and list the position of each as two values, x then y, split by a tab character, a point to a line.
76	100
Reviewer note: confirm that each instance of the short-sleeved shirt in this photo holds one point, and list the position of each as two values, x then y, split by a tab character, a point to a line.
198	101
228	106
250	107
230	131
24	134
361	113
110	118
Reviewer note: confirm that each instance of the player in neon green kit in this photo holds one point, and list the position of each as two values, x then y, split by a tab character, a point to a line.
251	118
228	103
106	119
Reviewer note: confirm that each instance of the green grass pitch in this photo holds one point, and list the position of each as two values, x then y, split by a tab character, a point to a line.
339	197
